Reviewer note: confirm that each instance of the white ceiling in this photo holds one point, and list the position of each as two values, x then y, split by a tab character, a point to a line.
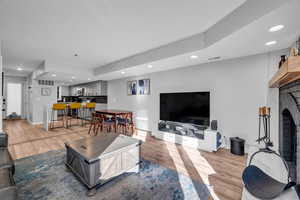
249	40
105	31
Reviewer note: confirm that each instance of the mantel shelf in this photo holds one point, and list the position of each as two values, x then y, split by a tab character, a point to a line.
288	72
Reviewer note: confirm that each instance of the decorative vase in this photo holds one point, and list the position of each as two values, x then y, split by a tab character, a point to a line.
282	60
294	51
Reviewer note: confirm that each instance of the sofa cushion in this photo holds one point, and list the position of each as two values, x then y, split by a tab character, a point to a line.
5	158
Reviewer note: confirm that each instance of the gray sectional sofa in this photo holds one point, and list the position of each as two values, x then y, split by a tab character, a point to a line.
8	189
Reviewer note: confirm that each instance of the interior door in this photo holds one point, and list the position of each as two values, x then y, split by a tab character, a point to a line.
14	99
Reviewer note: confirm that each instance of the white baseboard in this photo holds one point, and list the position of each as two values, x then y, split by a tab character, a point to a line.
34	123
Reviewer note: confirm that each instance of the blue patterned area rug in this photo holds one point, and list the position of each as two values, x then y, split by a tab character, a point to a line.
45	176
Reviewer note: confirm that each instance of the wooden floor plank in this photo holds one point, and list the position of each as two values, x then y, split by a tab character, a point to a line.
222	170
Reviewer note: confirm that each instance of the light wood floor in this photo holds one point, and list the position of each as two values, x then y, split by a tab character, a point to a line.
221	170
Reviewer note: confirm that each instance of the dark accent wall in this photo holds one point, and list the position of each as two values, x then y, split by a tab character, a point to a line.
289	130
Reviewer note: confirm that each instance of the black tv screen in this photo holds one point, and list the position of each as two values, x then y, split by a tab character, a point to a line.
187	107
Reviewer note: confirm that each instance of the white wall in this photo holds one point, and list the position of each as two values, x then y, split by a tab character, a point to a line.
1	98
65	91
237	86
37	102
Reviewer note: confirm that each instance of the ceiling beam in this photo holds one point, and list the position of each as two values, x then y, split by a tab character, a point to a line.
39	71
245	14
60	67
176	48
242	16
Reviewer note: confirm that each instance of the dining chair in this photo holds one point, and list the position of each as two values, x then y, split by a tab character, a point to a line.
125	122
96	123
108	123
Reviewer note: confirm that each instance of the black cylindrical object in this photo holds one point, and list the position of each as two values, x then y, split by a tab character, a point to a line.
237	146
214	125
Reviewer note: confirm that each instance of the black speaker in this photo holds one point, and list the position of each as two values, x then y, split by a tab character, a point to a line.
161	126
237	146
214	125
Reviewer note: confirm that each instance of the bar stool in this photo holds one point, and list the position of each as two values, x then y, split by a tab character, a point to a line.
88	109
61	110
75	111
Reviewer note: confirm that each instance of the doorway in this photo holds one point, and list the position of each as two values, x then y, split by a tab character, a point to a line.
14	100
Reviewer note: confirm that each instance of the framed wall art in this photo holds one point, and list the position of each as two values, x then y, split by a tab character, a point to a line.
132	87
143	87
46	91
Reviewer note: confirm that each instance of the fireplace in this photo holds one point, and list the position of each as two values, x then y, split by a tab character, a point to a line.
289	127
289	144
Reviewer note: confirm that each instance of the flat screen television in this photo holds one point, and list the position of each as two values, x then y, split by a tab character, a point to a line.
187	107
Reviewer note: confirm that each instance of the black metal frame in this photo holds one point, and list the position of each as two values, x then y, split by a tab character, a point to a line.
265	117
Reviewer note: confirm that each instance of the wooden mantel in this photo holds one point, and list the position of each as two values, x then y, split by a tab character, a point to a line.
288	72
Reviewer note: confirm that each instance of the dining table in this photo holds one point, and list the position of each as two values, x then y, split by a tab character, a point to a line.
114	113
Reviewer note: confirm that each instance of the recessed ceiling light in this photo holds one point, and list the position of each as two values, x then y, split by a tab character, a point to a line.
270	43
150	66
276	28
54	75
122	72
73	77
19	68
193	56
89	79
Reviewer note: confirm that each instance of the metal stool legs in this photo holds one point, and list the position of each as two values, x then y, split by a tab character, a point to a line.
74	108
61	112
